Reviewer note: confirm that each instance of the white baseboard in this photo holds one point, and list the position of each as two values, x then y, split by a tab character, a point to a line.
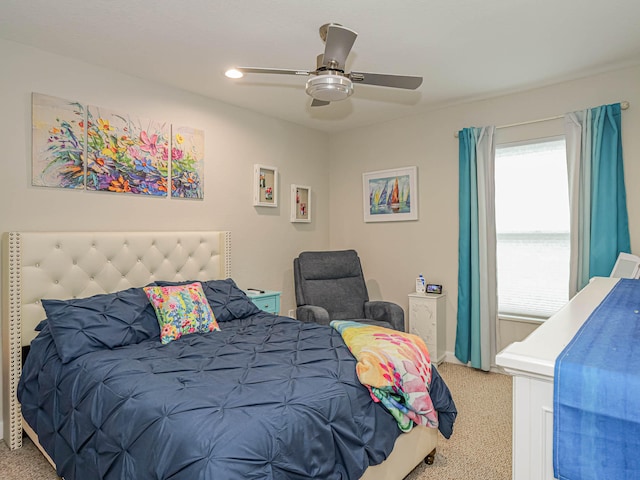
450	357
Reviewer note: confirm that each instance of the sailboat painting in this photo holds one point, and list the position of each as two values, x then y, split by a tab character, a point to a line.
390	195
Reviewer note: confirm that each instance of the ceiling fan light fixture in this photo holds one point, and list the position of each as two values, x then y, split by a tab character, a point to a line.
329	87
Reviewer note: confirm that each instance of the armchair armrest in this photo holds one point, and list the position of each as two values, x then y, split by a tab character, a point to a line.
312	313
386	312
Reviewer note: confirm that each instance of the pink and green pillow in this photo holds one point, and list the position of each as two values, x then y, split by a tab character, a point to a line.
181	310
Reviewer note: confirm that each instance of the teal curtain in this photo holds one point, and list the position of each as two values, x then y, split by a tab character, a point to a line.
468	321
599	219
477	283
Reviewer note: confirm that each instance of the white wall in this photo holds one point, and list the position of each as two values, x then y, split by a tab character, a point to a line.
264	242
394	253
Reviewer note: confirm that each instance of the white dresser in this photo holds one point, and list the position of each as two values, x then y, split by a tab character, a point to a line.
427	319
532	363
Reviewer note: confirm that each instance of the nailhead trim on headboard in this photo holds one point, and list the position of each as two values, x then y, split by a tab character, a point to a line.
11	338
227	254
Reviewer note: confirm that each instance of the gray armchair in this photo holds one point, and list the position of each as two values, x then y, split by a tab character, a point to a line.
330	286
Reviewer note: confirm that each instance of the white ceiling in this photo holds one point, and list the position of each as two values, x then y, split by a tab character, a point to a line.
464	49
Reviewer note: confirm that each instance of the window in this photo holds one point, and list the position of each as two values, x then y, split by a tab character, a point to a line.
532	226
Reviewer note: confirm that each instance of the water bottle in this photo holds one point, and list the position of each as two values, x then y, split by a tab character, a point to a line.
421	284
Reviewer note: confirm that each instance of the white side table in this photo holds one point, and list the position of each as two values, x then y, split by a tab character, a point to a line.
427	319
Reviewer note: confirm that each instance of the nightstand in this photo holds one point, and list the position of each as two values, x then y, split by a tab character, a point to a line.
269	301
427	320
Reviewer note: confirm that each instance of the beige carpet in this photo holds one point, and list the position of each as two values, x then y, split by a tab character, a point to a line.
480	447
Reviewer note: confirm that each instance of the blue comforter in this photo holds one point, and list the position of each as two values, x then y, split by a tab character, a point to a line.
266	397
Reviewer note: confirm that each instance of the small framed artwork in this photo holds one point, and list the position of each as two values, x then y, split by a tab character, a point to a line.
390	195
265	186
300	203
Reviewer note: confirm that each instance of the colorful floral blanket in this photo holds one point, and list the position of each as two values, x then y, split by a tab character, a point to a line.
395	367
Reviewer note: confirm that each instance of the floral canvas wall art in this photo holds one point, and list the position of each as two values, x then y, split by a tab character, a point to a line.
126	154
79	146
187	163
57	142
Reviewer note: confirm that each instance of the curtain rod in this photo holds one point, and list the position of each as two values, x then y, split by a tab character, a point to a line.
623	106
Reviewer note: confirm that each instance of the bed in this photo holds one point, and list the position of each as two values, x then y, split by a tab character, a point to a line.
77	265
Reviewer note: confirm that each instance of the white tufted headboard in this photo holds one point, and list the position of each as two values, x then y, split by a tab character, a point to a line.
63	265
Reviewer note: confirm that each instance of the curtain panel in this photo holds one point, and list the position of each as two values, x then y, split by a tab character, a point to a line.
477	282
597	194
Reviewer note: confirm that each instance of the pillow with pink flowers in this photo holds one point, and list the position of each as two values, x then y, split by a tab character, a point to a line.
181	310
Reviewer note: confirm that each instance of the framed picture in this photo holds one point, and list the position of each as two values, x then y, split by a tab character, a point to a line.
300	203
265	186
390	195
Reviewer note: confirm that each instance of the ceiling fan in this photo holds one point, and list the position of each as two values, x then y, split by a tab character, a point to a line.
329	82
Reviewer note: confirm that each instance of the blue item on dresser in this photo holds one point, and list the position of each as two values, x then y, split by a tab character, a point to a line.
597	393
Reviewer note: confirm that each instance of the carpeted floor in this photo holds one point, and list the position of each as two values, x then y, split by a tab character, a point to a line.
480	447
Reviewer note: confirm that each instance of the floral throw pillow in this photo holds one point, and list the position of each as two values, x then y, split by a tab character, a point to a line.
181	310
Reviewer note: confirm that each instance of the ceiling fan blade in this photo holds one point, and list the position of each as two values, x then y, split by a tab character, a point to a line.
319	103
386	80
280	71
338	45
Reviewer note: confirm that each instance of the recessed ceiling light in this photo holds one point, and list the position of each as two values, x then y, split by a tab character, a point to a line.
233	73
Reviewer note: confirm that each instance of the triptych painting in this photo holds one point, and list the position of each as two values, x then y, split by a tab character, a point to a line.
93	148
